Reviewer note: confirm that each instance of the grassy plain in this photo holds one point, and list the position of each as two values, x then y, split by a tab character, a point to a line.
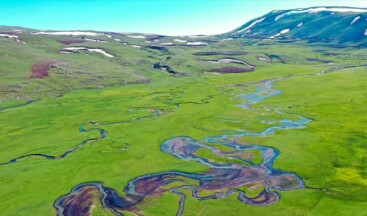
329	155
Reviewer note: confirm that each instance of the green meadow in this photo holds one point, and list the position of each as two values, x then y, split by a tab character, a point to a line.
122	96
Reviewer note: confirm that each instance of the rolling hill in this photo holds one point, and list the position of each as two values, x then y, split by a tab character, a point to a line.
266	120
333	25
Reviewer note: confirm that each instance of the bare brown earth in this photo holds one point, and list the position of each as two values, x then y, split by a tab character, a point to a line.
68	42
40	69
232	70
226	53
81	203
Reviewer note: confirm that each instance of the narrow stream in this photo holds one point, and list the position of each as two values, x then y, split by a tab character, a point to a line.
221	180
19	105
102	135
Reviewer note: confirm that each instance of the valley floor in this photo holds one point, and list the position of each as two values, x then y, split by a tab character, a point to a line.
287	138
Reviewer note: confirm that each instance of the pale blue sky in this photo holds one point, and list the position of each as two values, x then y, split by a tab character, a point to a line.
170	17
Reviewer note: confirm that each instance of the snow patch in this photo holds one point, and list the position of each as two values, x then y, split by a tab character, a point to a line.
300	24
8	36
322	9
102	52
355	20
136	46
75	48
365	33
16	37
65	50
336	10
197	36
263	59
93	40
252	25
180	41
284	31
227	39
136	36
223	61
116	39
74	33
166	44
280	33
197	44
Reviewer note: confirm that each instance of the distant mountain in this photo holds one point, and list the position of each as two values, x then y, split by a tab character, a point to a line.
336	25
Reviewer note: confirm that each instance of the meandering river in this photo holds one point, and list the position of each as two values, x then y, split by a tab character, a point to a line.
221	180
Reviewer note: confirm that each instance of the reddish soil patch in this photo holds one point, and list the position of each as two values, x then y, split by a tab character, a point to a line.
227	53
232	70
68	42
81	203
40	70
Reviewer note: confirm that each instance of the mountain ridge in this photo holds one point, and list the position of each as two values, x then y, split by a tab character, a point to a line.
334	25
329	25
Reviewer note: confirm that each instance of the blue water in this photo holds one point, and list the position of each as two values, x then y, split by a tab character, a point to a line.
220	174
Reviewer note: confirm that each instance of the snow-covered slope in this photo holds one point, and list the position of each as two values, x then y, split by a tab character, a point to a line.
337	25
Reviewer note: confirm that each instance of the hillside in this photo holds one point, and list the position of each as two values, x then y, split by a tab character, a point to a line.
266	120
331	25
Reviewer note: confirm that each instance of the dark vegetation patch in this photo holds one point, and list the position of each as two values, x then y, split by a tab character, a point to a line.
68	42
161	50
40	70
334	54
288	41
274	57
319	60
154	37
312	40
164	67
116	33
210	41
227	53
263	44
231	70
9	33
168	44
